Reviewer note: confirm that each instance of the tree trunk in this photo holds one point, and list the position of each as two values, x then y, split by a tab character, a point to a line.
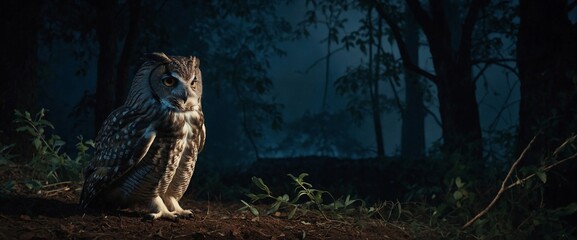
547	62
413	129
105	84
327	70
122	81
450	47
20	21
462	139
374	77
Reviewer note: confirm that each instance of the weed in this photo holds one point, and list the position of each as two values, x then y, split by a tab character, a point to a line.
47	161
307	198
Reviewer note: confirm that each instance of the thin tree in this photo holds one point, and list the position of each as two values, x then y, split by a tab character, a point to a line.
374	77
129	45
361	84
106	63
413	115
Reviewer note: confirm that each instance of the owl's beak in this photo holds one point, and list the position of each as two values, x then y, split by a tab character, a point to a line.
184	99
181	94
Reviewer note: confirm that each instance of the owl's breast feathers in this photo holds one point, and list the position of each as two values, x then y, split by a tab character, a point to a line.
137	153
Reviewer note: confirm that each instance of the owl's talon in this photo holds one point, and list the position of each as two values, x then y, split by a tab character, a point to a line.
148	217
167	215
186	214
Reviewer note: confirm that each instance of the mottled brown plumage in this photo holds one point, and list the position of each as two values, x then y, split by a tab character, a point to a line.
146	149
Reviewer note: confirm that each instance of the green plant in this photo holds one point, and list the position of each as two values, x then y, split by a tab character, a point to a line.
307	198
47	160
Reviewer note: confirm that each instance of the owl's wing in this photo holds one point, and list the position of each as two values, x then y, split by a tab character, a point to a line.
121	143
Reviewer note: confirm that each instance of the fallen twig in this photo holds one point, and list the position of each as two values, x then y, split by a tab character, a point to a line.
57	184
520	181
55	191
505	187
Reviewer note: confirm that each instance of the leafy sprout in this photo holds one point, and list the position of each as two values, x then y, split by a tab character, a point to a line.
307	198
48	161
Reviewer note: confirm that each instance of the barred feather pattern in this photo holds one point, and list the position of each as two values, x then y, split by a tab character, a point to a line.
147	149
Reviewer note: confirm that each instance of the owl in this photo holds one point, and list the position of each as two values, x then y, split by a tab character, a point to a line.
146	150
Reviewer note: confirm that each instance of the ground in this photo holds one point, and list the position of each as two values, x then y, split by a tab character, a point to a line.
52	212
58	217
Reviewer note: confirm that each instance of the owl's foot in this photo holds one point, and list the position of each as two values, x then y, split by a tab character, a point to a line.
184	213
172	204
159	210
167	215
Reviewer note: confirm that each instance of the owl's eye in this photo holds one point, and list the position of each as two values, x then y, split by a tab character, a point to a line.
169	81
193	83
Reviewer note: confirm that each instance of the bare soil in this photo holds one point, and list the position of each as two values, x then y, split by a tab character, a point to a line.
52	212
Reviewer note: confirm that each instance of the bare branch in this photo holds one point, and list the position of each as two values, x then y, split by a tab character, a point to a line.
469	24
407	62
435	117
493	60
397	98
481	72
503	185
511	69
421	16
321	59
501	62
521	181
493	124
547	168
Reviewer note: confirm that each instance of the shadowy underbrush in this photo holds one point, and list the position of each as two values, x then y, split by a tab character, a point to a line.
435	193
48	167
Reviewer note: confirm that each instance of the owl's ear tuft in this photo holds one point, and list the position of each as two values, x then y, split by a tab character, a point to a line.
195	61
159	57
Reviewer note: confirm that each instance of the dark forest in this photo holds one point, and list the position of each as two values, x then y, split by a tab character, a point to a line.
344	119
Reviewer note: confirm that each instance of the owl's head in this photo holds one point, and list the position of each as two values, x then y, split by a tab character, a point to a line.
175	82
